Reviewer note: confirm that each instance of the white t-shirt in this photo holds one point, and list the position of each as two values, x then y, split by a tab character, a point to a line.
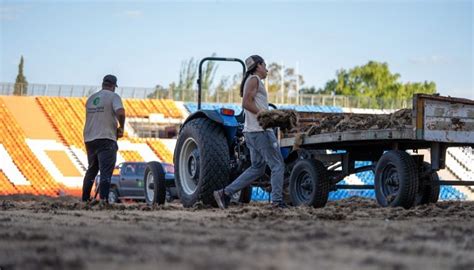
261	101
101	121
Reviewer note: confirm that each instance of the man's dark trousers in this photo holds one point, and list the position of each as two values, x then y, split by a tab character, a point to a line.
101	155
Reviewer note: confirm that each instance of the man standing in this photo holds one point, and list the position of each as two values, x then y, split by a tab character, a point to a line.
103	110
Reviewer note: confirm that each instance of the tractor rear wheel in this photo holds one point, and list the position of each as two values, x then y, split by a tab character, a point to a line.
201	161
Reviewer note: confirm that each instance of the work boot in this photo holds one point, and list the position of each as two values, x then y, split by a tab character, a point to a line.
222	199
92	202
278	205
104	205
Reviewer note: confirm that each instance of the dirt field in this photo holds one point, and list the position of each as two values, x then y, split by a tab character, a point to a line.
44	233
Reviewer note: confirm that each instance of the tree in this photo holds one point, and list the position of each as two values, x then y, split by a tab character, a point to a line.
329	88
159	92
21	85
208	74
374	80
290	79
188	74
274	78
308	90
221	88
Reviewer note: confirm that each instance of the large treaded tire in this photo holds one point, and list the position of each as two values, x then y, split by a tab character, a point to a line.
429	188
211	154
155	175
396	179
309	183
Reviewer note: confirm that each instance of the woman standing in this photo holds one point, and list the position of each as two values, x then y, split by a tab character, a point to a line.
262	144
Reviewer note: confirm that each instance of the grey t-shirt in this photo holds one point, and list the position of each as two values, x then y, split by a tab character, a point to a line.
261	102
101	121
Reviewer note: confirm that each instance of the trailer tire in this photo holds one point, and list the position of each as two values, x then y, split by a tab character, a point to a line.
154	184
309	184
429	188
396	179
201	160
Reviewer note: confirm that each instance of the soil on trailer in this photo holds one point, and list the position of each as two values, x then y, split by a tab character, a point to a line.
312	123
45	233
284	119
339	122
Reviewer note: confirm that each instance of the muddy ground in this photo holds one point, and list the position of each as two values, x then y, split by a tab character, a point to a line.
45	233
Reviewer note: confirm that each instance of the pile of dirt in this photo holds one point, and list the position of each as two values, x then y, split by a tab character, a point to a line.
284	119
337	122
355	233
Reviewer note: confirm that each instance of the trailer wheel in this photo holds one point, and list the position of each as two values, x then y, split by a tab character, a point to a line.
154	183
428	189
396	179
309	184
201	160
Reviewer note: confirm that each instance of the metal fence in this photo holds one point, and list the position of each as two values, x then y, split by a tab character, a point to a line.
207	96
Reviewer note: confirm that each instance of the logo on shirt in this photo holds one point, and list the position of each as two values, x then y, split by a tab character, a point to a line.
96	101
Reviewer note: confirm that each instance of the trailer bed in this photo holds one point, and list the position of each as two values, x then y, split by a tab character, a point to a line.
435	119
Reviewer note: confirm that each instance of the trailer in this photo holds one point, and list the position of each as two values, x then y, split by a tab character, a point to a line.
401	179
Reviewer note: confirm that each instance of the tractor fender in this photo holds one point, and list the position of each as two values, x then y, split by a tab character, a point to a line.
228	123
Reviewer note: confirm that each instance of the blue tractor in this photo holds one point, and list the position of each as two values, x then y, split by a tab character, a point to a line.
210	153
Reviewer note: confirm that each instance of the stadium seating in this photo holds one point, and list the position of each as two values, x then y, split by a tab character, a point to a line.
259	194
6	188
460	161
65	116
171	107
160	150
13	139
446	192
192	107
144	107
130	156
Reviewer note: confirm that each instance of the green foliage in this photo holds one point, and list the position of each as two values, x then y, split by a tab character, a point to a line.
21	85
159	92
187	79
290	79
187	75
308	90
374	80
208	74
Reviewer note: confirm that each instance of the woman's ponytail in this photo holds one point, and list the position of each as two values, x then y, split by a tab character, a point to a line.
247	74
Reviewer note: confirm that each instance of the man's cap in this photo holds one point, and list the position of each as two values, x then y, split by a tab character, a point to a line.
111	79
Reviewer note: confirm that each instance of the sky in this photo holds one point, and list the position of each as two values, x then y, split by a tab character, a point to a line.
145	42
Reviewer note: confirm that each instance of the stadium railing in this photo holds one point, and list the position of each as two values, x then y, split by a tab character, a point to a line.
189	95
